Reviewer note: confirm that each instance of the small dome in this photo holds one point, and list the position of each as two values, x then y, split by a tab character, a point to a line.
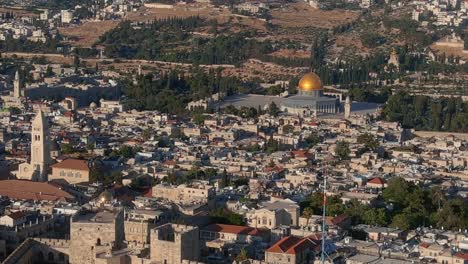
310	82
93	105
105	196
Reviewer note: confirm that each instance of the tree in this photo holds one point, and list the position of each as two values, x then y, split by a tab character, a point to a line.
67	149
342	150
375	217
369	141
273	109
49	72
116	176
96	173
14	110
287	129
307	213
223	216
438	197
90	146
401	222
224	179
242	256
146	134
198	119
312	140
396	192
272	146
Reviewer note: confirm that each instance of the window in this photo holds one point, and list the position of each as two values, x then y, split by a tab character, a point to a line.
62	173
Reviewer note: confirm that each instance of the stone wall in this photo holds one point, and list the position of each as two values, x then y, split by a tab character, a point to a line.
171	244
87	237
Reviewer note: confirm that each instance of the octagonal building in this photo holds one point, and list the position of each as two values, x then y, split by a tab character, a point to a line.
310	99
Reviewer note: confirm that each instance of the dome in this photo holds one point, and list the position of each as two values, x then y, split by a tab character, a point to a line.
93	105
105	196
310	82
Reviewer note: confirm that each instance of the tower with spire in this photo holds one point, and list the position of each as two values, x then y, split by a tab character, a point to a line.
17	86
37	169
40	154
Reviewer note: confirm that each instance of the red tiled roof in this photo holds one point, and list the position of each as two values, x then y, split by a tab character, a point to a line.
28	190
336	220
377	180
274	169
17	215
294	245
170	163
72	164
462	255
148	193
300	154
234	229
424	245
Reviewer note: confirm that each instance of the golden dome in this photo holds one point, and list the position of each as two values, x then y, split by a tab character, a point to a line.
105	196
310	82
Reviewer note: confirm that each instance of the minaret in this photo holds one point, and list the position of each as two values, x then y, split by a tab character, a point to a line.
347	107
40	154
17	86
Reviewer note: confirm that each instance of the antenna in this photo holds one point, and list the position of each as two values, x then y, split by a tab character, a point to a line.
324	214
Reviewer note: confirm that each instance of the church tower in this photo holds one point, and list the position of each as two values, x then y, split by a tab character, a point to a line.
17	86
40	154
347	107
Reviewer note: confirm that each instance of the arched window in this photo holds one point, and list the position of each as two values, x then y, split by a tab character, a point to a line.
40	256
98	242
61	256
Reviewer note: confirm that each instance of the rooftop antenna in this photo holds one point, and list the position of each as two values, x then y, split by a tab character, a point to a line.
324	225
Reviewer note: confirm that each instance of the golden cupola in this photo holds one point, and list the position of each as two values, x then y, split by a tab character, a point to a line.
310	82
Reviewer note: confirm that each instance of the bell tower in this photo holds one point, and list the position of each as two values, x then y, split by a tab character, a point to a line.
40	154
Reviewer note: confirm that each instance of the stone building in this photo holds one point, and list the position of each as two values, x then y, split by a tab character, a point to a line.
40	250
15	99
138	231
171	244
293	250
184	194
36	170
273	214
310	99
28	226
93	233
71	170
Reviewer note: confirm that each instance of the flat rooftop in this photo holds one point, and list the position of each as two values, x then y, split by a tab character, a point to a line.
96	217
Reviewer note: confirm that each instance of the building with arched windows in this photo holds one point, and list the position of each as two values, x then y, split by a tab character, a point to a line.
36	169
